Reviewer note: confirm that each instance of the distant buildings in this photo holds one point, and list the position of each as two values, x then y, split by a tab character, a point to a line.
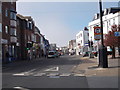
53	47
72	46
82	41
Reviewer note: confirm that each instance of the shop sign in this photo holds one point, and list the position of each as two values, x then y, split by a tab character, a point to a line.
117	34
4	41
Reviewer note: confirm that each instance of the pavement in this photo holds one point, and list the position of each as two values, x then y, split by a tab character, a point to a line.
100	77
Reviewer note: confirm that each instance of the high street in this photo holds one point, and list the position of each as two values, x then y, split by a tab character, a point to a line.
63	72
44	73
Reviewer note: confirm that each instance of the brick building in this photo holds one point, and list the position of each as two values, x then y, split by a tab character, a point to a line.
9	36
37	42
26	29
0	30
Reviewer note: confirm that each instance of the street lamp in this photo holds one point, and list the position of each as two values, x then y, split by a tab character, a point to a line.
103	62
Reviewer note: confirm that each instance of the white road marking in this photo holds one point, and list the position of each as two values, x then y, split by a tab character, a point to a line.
53	69
39	74
90	75
79	75
65	74
25	73
20	88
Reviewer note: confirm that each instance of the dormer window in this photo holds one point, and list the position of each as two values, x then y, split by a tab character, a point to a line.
105	11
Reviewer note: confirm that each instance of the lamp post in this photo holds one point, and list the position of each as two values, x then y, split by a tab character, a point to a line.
103	62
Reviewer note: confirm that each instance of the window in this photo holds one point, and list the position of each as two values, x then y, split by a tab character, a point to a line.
13	31
28	37
81	34
0	8
13	23
114	21
109	22
11	1
29	25
13	15
6	12
0	27
81	41
88	34
6	29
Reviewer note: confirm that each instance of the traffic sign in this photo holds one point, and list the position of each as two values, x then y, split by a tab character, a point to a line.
117	34
97	33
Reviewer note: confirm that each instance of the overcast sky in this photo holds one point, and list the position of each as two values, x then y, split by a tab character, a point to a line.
61	21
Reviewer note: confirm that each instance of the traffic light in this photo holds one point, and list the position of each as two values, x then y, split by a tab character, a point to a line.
29	45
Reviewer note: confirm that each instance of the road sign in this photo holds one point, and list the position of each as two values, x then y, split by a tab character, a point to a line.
97	33
117	34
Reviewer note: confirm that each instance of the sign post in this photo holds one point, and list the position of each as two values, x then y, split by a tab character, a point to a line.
117	34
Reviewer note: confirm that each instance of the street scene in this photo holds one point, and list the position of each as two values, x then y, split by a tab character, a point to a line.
71	45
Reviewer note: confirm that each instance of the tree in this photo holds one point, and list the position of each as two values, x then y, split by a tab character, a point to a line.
112	40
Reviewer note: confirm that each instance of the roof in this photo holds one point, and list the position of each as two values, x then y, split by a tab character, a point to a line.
106	12
24	17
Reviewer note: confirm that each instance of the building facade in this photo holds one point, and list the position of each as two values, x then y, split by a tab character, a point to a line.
110	17
72	46
9	36
0	31
82	42
26	31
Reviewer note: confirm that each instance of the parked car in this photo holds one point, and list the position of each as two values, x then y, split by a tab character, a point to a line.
52	54
85	54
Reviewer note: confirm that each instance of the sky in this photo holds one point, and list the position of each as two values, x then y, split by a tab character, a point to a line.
61	21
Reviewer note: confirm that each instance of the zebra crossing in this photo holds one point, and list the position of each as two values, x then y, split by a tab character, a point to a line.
48	74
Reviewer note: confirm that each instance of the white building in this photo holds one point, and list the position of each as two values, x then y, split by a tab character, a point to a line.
72	46
82	41
110	17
